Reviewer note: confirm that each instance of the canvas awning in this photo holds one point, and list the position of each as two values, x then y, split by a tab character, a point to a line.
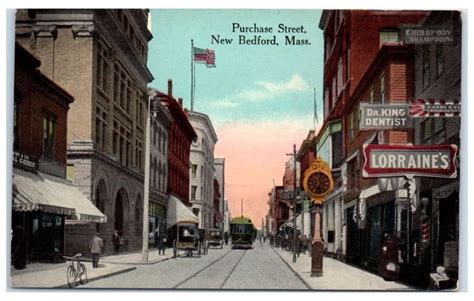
43	192
178	212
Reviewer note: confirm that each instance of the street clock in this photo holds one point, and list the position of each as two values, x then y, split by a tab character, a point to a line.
318	181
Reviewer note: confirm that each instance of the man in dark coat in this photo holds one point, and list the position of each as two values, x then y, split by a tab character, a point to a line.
116	242
96	246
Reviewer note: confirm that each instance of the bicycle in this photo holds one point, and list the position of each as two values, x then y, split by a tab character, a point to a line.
75	272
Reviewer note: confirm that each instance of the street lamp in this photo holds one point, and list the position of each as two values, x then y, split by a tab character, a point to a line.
152	108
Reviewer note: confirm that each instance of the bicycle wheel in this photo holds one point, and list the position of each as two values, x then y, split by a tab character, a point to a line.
71	276
82	274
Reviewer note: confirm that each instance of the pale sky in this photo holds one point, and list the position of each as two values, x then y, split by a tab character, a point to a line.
259	97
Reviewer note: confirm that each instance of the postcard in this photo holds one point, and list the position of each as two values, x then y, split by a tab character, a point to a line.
236	149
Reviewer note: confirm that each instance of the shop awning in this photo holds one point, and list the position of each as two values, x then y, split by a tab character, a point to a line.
42	192
178	212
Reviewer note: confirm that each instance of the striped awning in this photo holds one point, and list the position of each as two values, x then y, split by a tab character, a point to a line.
178	212
47	193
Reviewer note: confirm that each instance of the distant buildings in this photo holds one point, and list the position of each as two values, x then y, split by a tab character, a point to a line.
219	166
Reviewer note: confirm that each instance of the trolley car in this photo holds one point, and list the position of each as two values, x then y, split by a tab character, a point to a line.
242	232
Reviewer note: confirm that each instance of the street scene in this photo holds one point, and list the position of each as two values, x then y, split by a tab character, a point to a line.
181	149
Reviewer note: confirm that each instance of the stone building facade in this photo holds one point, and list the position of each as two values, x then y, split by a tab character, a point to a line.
100	57
159	147
201	190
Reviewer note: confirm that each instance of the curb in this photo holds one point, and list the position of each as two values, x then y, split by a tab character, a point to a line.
139	262
101	276
293	270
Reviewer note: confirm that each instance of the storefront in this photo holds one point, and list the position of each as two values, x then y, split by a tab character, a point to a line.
157	220
41	204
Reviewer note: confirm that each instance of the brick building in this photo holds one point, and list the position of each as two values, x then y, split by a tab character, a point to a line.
358	67
100	57
219	167
438	77
181	134
43	200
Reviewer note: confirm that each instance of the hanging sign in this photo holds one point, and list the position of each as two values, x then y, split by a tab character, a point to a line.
437	161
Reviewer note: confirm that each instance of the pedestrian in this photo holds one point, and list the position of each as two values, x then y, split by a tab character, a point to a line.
156	236
96	246
116	239
18	246
389	266
298	245
304	244
226	238
161	243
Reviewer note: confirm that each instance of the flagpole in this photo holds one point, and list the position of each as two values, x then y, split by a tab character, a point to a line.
192	74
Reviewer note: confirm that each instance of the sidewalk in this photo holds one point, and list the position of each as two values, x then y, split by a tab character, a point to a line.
53	275
337	275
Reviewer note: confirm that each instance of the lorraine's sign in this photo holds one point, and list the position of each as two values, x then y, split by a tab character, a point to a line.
428	34
384	117
434	108
394	160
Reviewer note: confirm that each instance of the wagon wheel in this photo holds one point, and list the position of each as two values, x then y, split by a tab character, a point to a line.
175	249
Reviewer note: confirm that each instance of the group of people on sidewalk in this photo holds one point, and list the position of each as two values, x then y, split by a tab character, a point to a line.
286	242
96	245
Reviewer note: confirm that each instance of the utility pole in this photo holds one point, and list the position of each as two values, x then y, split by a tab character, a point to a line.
294	200
146	193
241	207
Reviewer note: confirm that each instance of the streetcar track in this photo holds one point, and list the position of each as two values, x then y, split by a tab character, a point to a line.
233	269
202	270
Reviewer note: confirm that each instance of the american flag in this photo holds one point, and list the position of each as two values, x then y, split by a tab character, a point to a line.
205	56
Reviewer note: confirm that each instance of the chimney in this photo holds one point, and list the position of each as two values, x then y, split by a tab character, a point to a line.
170	88
180	100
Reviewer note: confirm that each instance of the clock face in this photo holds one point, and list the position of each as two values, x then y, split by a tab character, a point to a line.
319	183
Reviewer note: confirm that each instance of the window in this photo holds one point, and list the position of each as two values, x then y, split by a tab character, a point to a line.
102	68
433	128
371	94
389	36
193	192
49	131
382	88
193	170
138	154
440	60
348	64
100	129
353	174
339	76
334	96
202	173
425	66
427	129
350	124
327	105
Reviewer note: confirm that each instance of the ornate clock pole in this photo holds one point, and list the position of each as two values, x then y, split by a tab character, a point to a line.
318	183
